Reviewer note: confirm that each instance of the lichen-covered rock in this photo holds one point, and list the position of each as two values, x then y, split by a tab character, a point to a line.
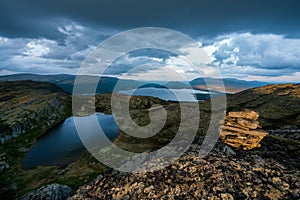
49	192
190	177
239	130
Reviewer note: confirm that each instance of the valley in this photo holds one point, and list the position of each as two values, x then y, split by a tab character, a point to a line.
30	109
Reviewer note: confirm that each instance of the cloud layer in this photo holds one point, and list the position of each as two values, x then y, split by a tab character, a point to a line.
41	55
265	57
34	18
248	55
247	39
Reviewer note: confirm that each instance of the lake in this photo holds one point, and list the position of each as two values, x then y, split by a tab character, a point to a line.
62	145
187	95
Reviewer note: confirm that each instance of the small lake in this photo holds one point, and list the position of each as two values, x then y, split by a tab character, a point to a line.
62	145
187	95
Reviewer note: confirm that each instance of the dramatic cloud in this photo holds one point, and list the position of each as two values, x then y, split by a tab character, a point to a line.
253	40
262	51
34	18
41	55
248	55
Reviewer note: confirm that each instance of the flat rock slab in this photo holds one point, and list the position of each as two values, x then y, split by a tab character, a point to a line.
240	130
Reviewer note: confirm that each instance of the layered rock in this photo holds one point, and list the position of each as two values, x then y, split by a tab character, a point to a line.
241	130
49	192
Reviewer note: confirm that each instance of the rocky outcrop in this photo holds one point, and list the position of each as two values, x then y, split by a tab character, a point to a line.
86	105
28	105
217	176
287	131
49	192
240	130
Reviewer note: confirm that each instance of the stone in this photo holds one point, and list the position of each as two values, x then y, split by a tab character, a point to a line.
246	114
61	172
251	124
148	189
240	130
255	133
227	196
228	151
49	192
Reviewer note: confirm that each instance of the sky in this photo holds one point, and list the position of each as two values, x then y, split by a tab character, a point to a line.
249	40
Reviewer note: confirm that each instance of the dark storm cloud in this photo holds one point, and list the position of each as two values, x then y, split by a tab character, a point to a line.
34	18
246	38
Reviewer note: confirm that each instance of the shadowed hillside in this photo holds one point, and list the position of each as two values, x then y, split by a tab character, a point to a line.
278	105
29	105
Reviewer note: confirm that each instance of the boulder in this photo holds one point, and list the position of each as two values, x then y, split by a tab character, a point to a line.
49	192
240	130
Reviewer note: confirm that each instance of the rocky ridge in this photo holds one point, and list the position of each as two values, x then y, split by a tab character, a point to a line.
220	175
29	105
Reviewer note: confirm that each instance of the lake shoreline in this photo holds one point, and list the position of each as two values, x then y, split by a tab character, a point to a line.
69	144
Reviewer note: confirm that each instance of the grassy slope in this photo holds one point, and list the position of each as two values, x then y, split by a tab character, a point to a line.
32	97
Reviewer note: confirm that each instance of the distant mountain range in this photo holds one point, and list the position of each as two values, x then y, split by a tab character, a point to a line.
231	85
66	82
107	84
